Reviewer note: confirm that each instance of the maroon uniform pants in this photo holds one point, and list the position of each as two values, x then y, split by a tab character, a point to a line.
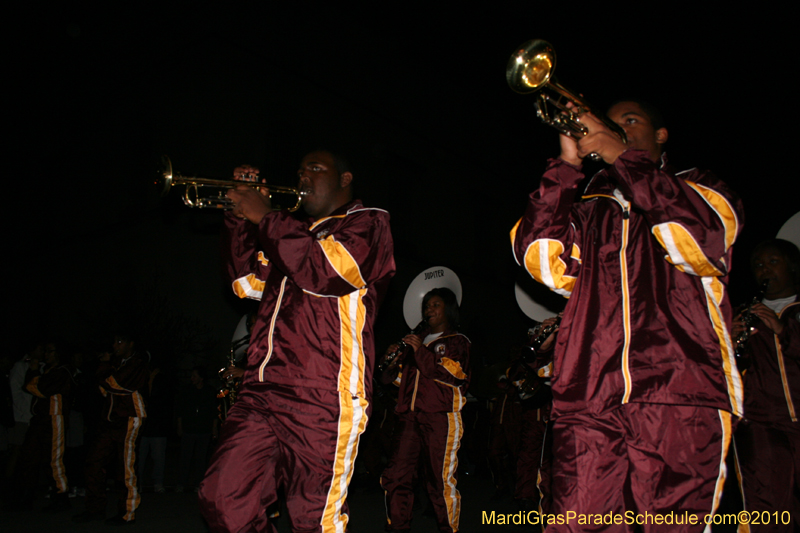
530	455
436	436
504	442
116	441
44	446
302	440
639	461
768	457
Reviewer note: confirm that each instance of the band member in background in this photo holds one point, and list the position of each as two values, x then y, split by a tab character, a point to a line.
197	413
121	376
645	381
768	439
505	428
433	375
52	388
303	402
531	375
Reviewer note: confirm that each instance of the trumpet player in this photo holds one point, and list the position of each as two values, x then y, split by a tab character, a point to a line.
645	384
307	383
768	438
433	382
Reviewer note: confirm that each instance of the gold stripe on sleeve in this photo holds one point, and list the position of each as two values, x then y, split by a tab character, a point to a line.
249	287
683	250
33	387
342	262
543	262
724	210
454	367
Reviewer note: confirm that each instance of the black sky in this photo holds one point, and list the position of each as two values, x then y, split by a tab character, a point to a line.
417	97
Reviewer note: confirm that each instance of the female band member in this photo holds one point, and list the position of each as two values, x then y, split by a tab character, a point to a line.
433	373
768	438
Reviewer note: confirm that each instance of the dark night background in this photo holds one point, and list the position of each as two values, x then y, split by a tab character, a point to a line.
416	96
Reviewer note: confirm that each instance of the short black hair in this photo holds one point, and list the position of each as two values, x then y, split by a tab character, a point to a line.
125	334
451	311
652	112
789	251
340	161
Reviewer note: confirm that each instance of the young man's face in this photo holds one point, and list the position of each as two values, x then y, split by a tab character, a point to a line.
122	348
324	188
770	265
638	128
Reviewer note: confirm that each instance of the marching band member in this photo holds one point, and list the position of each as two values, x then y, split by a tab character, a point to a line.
768	439
122	377
534	462
52	387
434	374
304	399
645	383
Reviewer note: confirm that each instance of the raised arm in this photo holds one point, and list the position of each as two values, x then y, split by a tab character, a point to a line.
546	241
694	216
55	381
126	378
246	264
356	251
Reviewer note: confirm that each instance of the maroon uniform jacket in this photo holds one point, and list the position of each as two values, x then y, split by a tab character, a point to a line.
643	259
435	378
320	284
772	382
120	381
52	391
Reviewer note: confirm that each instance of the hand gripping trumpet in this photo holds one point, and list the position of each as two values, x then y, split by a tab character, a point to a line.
530	70
209	193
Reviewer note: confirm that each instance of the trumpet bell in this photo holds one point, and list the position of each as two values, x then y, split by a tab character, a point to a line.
163	178
530	70
531	67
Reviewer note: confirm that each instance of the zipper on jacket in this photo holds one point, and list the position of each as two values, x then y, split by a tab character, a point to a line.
626	300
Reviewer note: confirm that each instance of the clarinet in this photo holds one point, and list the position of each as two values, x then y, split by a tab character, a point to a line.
401	347
542	333
749	319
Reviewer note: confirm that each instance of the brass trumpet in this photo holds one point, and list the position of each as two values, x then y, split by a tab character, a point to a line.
216	188
530	70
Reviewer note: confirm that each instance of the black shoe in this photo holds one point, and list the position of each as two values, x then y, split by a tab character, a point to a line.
119	520
87	516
